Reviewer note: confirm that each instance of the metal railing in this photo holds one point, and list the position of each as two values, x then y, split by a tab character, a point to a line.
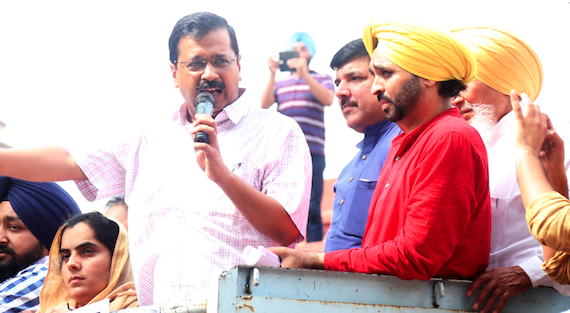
281	290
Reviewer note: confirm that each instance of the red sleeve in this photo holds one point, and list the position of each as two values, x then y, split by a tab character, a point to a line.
439	209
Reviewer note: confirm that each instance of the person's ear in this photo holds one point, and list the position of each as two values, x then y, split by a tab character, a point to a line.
174	74
239	66
428	82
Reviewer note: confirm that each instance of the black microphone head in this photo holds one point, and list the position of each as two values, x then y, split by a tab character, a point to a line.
204	96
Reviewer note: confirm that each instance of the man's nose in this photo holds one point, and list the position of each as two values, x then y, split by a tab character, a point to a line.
3	235
458	101
210	73
378	87
341	91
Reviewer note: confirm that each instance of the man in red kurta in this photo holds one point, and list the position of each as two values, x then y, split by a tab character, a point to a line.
430	215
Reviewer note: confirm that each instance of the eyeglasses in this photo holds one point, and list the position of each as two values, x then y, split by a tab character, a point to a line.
200	65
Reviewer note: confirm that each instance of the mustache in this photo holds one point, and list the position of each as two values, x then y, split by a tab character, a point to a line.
210	85
7	250
467	106
344	102
383	97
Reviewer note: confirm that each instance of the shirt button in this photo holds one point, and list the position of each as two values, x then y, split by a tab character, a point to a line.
341	201
351	178
398	158
387	185
364	157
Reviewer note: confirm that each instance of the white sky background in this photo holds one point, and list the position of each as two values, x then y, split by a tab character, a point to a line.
80	72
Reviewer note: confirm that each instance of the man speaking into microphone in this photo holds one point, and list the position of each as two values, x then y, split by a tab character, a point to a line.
193	206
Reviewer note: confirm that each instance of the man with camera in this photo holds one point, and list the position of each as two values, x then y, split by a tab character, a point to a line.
303	96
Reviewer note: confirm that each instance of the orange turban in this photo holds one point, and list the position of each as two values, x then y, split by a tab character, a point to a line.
427	52
504	61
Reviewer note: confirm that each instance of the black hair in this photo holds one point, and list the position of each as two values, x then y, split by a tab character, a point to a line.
106	231
198	25
352	50
450	88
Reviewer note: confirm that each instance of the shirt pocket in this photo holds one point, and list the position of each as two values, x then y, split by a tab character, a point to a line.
499	210
357	215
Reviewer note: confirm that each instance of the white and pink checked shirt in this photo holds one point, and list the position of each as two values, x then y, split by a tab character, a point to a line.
183	229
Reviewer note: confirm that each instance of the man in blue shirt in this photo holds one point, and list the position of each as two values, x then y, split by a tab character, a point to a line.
30	214
363	113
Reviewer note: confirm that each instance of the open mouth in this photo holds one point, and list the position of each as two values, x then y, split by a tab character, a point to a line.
213	87
213	91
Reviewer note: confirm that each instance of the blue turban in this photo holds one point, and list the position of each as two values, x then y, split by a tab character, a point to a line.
42	207
304	38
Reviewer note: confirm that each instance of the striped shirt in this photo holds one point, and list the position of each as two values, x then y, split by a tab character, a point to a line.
21	293
183	229
295	99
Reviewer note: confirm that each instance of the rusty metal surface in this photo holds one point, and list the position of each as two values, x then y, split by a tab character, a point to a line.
250	304
299	290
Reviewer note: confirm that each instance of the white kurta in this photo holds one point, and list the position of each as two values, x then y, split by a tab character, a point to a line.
511	241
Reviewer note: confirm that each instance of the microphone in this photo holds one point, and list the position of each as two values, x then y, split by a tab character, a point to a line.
204	104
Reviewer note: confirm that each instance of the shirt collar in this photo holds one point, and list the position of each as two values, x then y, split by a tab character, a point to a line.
409	139
373	132
235	111
503	125
43	261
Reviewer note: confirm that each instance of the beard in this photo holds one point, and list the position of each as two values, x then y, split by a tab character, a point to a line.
406	100
484	121
10	266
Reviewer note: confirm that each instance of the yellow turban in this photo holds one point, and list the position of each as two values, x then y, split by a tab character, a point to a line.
504	62
427	52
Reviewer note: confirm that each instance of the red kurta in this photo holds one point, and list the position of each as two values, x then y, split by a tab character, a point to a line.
430	215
